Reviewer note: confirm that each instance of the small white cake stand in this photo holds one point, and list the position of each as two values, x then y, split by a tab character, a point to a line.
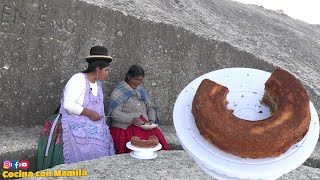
143	153
246	89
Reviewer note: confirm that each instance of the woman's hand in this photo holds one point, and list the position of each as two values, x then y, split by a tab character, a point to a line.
94	116
137	121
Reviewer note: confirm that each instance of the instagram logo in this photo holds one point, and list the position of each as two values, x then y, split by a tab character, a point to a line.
24	164
6	164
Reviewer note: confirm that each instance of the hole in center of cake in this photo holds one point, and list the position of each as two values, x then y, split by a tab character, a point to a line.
247	105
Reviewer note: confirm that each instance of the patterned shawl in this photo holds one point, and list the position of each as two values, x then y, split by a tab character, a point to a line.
123	92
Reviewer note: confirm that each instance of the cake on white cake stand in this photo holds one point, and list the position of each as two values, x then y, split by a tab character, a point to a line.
246	89
143	153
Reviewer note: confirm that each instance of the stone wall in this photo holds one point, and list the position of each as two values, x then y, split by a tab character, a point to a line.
44	42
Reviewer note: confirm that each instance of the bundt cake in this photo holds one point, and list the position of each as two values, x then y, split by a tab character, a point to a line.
152	142
270	137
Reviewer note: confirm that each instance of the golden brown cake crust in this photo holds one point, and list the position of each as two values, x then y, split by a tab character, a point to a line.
270	137
152	142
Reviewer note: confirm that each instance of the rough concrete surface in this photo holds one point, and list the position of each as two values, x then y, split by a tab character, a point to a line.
44	42
23	144
314	159
168	165
19	142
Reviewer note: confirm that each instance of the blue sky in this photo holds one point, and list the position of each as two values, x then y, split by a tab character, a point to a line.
305	10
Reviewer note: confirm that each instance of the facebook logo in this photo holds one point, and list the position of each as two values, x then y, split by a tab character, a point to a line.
15	164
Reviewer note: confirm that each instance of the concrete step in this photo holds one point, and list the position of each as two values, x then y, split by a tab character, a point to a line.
175	164
170	134
21	143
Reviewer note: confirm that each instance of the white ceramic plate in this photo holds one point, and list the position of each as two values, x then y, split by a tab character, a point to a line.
148	126
246	88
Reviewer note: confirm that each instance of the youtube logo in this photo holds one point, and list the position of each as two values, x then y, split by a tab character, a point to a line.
24	164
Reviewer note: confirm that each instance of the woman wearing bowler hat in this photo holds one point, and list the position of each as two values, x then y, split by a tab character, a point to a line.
77	130
85	132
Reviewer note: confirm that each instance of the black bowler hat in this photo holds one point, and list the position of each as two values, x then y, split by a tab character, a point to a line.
99	53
